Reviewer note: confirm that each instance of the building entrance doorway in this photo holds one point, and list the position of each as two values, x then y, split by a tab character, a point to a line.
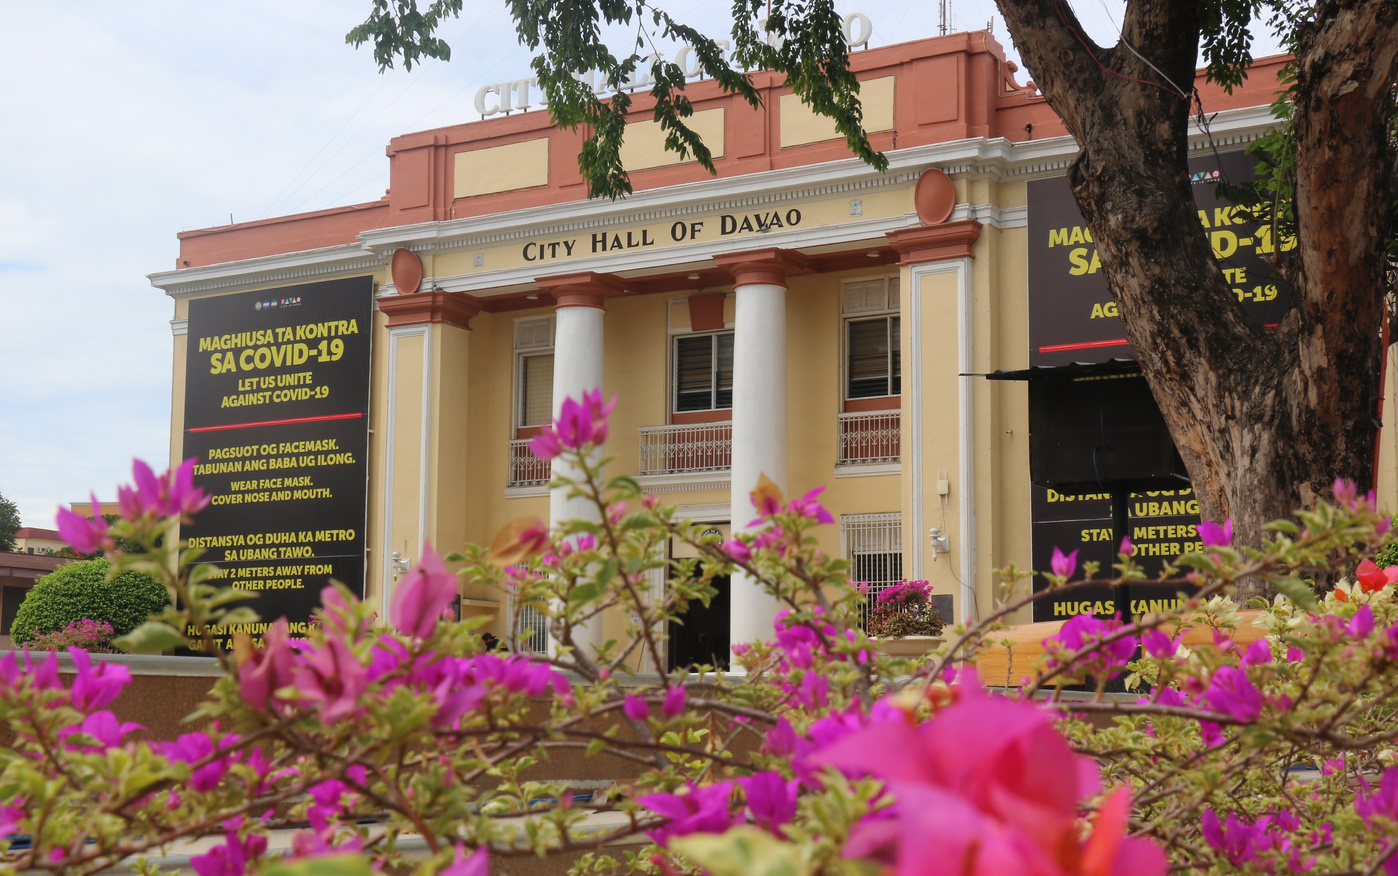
703	639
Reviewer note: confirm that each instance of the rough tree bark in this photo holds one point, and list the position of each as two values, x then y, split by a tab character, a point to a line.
1265	419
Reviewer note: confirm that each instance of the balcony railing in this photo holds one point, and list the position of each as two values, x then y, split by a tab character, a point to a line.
873	438
697	447
526	469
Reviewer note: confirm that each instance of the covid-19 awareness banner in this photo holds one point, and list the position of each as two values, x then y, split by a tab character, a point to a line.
1072	317
277	415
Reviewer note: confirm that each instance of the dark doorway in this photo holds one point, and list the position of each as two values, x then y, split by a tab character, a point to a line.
703	638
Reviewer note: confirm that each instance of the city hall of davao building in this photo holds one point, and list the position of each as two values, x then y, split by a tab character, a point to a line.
798	315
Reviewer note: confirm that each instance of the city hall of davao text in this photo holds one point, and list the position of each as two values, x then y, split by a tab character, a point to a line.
799	315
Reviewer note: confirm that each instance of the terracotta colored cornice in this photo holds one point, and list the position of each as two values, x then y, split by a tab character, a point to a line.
584	289
936	243
771	266
452	308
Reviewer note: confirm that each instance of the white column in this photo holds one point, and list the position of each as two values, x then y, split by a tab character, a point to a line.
759	417
577	368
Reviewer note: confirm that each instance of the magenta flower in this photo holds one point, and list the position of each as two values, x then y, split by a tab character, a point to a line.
1241	842
809	506
738	550
636	708
701	810
198	750
1259	653
11	816
1127	547
1159	645
423	595
1345	491
334	678
475	864
104	727
171	494
1213	535
674	702
1361	626
1232	693
1064	565
771	799
85	534
545	445
99	687
1084	631
232	858
1383	802
268	669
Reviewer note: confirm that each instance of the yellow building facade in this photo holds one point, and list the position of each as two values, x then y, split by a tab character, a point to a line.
799	315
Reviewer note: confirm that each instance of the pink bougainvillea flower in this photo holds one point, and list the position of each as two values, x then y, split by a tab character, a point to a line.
477	863
809	506
11	816
988	786
701	810
1361	626
85	533
171	494
1064	565
518	541
233	858
546	445
738	550
1242	842
1127	547
1159	645
1382	802
1213	535
1345	491
1232	693
1373	579
636	708
1083	631
333	677
263	671
423	595
771	799
1259	653
198	750
674	702
94	688
766	497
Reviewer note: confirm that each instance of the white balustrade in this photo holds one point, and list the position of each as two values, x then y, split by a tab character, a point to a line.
526	469
872	438
693	447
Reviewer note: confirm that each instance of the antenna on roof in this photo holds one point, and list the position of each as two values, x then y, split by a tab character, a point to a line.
944	4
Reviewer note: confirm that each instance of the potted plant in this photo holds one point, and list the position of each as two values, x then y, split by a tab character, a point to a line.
904	621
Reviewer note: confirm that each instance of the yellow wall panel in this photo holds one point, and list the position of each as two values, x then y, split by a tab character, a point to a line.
644	145
801	125
501	168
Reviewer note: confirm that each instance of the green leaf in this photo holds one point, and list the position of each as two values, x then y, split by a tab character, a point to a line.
151	637
327	865
1297	591
742	851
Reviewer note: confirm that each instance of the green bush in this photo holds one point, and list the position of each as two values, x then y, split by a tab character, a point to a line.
80	591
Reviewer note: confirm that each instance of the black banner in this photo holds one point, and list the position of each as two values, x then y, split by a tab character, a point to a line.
1161	525
277	415
1072	317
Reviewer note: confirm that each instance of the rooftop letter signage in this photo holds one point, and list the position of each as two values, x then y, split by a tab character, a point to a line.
1072	317
276	413
521	94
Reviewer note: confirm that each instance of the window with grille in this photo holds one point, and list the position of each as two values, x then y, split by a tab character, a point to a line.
872	344
533	371
529	629
873	544
703	369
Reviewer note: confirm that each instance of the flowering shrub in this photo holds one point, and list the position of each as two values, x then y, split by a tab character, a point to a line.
346	751
88	590
905	609
87	634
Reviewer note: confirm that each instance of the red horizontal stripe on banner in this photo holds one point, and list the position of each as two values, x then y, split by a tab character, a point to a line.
1085	345
353	416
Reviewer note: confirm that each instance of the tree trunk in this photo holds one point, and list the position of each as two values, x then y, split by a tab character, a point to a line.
1265	419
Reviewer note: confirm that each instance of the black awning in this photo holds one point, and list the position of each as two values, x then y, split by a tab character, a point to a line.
1074	370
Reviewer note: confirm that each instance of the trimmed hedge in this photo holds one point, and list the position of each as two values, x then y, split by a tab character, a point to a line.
81	591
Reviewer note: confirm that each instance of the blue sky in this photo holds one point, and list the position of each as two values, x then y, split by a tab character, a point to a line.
126	123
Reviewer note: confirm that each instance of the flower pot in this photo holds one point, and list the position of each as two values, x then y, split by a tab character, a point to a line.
908	646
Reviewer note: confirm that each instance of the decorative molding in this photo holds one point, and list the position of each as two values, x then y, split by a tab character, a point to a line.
452	308
935	243
869	471
697	482
179	326
704	512
583	289
995	217
770	265
532	491
345	260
